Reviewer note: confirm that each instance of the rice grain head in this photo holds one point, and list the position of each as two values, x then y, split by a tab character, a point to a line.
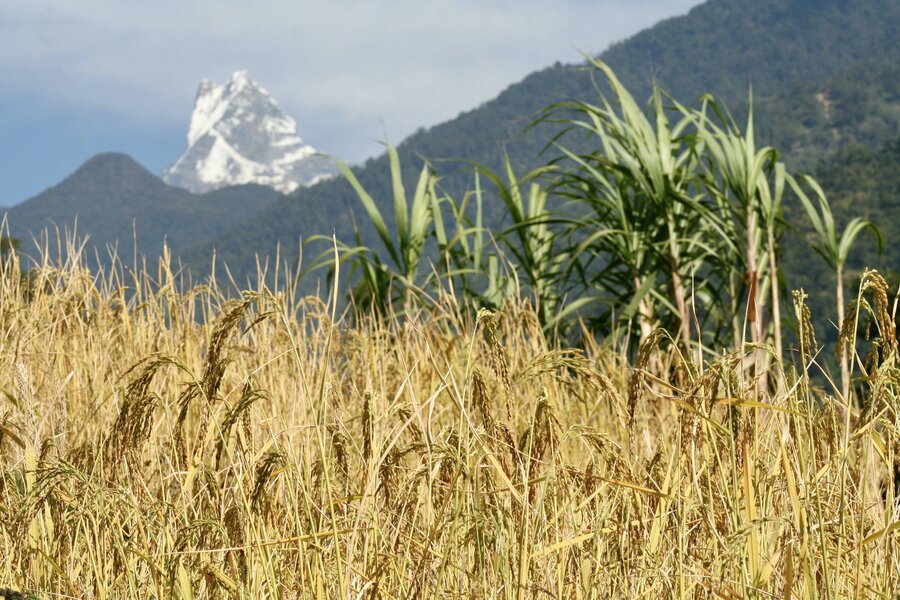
490	322
268	468
639	373
367	426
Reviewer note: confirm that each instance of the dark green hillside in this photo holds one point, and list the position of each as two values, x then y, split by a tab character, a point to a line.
112	196
723	45
859	106
865	182
791	50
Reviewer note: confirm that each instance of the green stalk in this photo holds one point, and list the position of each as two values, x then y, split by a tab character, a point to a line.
684	316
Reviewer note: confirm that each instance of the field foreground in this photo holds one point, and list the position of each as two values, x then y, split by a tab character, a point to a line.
277	451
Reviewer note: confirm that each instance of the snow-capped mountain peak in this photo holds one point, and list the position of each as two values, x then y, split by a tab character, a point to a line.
239	134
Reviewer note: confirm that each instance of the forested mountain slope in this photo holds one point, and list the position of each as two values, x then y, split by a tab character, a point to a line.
112	199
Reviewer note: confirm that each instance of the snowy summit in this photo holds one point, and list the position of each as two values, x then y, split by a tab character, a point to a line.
239	134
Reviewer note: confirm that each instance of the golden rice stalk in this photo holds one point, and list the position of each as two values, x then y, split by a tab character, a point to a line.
269	467
877	311
809	346
249	395
543	435
605	448
490	322
339	450
214	371
60	420
849	325
234	523
47	482
367	426
405	416
808	349
639	374
872	280
828	430
480	398
450	465
26	403
216	579
555	362
700	398
500	438
200	533
135	421
389	474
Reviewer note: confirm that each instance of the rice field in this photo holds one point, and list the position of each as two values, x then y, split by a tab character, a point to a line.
277	448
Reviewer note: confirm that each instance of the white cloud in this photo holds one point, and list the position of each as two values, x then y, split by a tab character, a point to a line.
410	63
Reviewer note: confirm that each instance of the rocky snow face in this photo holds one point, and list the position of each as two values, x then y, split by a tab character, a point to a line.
239	134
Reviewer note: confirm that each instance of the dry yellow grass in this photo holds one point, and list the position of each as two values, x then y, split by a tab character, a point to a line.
276	451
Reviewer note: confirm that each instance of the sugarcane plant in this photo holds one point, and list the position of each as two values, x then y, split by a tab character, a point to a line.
471	268
646	233
746	185
672	217
388	280
535	241
834	250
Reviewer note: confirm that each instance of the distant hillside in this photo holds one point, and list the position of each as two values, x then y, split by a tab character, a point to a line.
866	182
858	106
112	197
811	64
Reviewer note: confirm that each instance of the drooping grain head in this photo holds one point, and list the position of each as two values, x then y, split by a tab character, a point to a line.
809	346
639	374
339	451
208	386
389	475
451	464
234	523
874	282
700	398
541	437
490	322
135	421
27	404
367	426
268	468
480	398
240	410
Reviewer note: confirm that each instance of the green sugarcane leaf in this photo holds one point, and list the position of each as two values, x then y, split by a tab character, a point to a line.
400	207
371	209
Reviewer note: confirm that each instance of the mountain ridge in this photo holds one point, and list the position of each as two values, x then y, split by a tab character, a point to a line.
111	197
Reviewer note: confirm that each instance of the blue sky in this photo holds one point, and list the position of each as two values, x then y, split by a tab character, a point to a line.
87	76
